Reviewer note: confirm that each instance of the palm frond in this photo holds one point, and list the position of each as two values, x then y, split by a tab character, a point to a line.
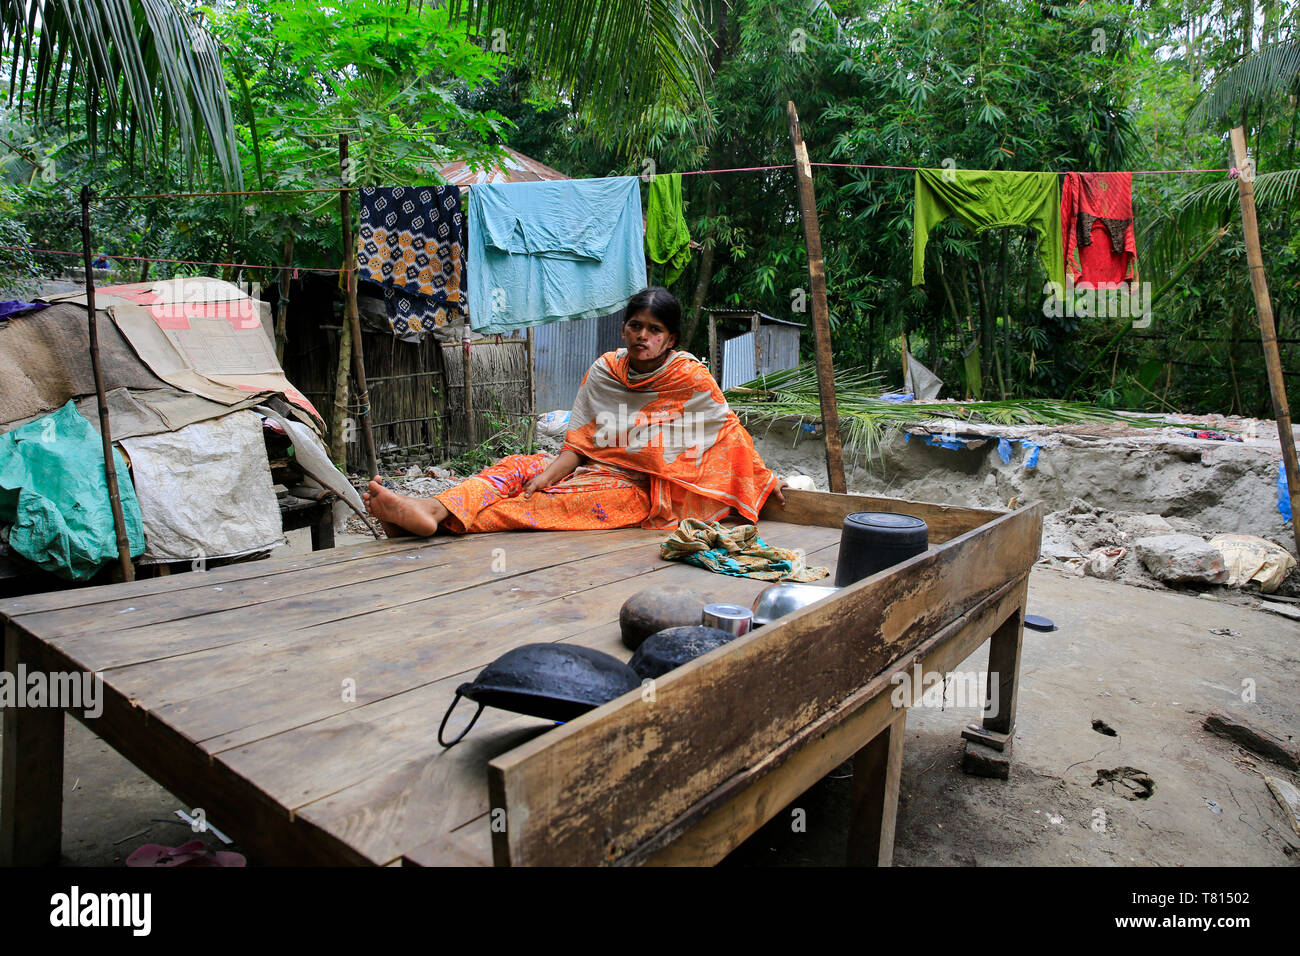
145	65
618	56
1258	78
868	423
1170	238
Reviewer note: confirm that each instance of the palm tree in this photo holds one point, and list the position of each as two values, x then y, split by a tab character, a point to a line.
1271	73
143	68
147	67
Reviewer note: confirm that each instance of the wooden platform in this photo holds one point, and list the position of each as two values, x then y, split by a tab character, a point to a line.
297	700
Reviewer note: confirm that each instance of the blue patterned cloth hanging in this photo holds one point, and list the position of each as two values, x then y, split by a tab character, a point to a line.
412	244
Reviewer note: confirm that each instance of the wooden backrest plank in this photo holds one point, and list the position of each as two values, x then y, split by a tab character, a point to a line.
829	510
594	789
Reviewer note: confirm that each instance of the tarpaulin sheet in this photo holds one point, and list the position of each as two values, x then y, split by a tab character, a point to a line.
313	457
200	335
206	490
54	494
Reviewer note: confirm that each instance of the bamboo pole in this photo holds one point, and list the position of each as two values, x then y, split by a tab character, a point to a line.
353	319
282	311
1267	329
338	426
110	467
820	311
532	388
471	433
907	377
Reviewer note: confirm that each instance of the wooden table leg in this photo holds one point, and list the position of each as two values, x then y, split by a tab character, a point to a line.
877	768
31	778
322	530
1004	671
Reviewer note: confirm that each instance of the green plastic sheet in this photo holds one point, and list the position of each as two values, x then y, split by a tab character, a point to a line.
54	494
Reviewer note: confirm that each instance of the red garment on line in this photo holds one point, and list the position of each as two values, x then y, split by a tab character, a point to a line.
1097	228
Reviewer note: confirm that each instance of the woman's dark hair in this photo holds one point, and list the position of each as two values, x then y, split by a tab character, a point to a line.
661	304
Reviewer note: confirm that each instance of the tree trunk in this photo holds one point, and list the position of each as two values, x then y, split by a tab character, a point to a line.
339	413
701	293
282	302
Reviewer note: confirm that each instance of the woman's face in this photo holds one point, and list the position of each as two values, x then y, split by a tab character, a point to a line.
648	341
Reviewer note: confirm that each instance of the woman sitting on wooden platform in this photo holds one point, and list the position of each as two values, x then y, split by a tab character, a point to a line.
651	442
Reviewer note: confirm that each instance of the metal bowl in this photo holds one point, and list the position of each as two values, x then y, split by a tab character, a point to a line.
778	600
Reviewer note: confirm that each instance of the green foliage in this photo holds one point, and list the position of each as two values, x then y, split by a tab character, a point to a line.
137	70
506	437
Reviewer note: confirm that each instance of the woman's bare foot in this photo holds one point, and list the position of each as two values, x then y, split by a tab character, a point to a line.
401	515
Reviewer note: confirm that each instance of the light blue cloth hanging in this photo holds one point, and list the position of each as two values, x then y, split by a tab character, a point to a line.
549	251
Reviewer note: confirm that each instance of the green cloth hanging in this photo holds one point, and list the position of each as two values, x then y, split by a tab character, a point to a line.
54	493
988	199
666	237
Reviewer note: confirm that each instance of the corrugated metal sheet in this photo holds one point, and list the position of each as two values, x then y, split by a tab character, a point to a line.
563	351
772	349
778	348
737	360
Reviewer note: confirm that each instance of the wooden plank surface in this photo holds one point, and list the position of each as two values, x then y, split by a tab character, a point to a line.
225	686
714	717
401	815
251	673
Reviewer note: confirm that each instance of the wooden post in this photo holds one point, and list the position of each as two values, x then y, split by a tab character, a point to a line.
282	310
1267	329
906	376
351	316
338	447
471	433
821	313
532	390
110	467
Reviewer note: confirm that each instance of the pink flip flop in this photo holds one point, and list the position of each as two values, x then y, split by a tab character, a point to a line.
194	853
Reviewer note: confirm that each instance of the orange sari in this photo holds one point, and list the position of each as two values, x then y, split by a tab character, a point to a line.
673	426
663	446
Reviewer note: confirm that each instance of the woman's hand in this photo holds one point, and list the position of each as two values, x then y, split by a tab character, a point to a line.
537	483
776	492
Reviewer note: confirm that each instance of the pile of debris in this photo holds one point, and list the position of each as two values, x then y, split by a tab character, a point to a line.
1151	551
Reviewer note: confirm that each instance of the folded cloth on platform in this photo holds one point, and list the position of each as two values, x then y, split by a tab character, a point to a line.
737	551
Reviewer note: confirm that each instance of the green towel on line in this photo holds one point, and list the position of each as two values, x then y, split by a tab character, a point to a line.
666	237
987	199
737	551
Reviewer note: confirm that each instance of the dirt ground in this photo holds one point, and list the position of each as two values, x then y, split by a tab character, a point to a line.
1148	664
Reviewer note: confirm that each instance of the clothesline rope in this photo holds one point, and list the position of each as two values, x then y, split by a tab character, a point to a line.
188	262
1133	172
691	172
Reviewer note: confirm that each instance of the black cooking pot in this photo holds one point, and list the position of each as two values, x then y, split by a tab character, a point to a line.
871	541
674	646
552	681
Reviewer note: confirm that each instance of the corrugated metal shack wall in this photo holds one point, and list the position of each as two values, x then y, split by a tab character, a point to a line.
501	397
737	360
772	348
563	351
778	348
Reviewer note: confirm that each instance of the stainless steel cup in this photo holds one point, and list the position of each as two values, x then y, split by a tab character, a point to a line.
731	618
